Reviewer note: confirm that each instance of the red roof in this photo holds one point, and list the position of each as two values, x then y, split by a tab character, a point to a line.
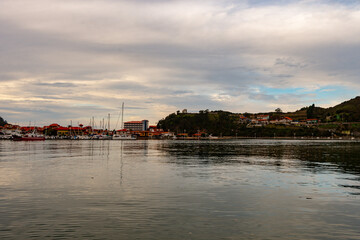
27	128
134	122
76	128
122	130
62	129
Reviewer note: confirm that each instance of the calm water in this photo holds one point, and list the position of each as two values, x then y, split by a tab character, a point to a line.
236	189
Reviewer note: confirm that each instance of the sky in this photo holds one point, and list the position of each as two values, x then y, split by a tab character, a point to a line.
64	61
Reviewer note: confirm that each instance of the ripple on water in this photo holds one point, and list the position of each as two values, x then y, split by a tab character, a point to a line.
250	189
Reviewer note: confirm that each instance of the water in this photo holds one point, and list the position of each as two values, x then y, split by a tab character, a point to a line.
234	189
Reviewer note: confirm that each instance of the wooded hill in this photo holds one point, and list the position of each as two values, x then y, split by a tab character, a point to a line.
215	122
227	124
348	111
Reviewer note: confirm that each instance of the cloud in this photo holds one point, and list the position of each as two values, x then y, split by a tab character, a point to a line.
161	56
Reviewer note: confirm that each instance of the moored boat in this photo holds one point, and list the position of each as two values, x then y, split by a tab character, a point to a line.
29	137
123	137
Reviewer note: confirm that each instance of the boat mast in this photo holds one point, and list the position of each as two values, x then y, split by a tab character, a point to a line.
122	116
108	122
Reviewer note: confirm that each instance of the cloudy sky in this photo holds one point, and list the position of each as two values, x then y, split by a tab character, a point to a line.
64	60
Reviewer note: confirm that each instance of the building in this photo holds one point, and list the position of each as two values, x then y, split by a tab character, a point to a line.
137	125
285	120
263	117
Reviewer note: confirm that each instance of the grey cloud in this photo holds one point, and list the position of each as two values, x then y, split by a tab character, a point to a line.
194	102
289	62
283	76
153	54
181	92
262	97
46	97
56	84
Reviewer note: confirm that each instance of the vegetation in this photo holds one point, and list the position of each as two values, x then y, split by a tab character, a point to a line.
217	122
348	111
2	121
221	123
334	121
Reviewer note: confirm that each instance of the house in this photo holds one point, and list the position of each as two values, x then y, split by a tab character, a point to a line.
285	120
312	121
263	117
243	119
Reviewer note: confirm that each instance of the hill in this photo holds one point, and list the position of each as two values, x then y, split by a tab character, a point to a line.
348	111
223	123
216	122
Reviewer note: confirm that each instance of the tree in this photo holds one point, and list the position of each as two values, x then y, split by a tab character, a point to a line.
310	111
2	121
278	110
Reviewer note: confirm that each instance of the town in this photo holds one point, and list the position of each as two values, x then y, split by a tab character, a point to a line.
132	130
341	121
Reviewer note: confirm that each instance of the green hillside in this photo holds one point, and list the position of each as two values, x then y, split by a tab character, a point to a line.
348	111
306	113
222	123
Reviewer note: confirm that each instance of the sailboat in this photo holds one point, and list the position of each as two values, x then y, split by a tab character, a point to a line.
124	135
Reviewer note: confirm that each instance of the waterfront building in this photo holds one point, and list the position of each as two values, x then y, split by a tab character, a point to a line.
62	131
137	125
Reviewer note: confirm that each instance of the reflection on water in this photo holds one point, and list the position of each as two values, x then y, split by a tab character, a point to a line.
314	154
251	189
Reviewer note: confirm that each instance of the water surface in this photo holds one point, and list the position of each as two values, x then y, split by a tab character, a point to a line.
231	189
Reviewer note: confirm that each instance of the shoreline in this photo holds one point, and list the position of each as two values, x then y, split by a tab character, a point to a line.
214	138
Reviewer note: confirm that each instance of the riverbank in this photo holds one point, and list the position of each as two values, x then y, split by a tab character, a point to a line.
210	138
